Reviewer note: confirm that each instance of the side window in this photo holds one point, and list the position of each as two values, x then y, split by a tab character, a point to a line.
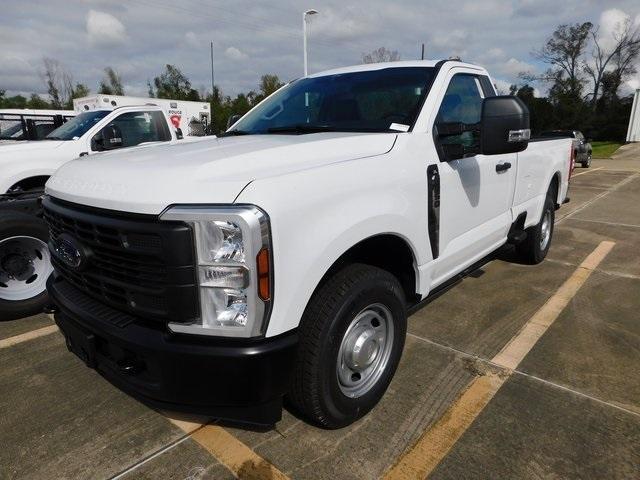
141	127
462	103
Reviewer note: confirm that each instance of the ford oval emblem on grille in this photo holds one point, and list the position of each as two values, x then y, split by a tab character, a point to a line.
69	251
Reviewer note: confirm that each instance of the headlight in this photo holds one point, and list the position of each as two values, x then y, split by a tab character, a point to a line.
234	269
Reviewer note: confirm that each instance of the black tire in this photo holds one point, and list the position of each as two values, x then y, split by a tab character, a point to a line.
315	389
531	249
587	162
19	224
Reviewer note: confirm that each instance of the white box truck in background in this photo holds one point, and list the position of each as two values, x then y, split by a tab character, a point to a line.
192	118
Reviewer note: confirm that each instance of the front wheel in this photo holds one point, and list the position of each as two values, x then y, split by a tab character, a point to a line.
351	339
535	247
25	265
587	162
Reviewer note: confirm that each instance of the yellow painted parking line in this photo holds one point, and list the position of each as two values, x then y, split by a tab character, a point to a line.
40	332
237	457
434	444
588	171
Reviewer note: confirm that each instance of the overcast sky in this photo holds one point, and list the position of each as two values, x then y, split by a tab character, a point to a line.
138	37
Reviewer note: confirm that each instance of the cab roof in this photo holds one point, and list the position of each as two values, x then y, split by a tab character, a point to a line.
365	67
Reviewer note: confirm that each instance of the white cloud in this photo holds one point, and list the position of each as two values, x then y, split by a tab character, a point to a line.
502	86
514	67
104	30
233	53
192	40
612	22
269	34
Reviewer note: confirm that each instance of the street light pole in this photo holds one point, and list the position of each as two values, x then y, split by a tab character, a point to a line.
304	35
212	84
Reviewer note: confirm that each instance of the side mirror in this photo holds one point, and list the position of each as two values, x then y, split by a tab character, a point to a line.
504	125
179	133
109	139
233	119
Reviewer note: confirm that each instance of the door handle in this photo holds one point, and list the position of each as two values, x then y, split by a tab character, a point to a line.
503	167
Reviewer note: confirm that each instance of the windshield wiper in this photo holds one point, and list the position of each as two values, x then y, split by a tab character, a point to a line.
53	138
232	133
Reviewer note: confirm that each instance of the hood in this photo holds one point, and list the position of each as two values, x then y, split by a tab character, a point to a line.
209	171
18	146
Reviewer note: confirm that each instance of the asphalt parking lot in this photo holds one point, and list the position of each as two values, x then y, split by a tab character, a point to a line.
517	372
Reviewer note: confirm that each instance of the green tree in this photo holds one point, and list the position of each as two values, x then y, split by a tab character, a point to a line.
541	111
111	83
52	76
78	91
17	101
150	92
563	52
37	102
269	84
380	55
173	84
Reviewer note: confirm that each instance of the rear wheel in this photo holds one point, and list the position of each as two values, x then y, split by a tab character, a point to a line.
351	339
535	247
587	162
25	265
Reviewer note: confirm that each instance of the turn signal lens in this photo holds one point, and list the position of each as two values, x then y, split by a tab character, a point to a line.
264	273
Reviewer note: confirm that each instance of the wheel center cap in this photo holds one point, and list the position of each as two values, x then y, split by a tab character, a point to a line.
14	264
362	349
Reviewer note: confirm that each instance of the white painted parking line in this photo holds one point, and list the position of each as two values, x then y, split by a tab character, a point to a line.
588	171
40	332
627	180
436	442
613	224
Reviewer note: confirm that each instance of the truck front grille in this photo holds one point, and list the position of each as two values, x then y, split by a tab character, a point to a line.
135	263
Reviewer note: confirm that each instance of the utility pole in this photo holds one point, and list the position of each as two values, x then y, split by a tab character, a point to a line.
212	84
422	51
304	36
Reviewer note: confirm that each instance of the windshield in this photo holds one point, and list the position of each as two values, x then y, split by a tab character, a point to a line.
371	101
78	126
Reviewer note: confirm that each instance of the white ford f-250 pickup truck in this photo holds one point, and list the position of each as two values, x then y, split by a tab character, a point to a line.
281	259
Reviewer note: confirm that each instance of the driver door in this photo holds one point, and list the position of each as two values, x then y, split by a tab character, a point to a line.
476	191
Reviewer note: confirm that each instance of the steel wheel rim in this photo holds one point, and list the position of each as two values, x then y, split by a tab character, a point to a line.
545	230
365	350
25	266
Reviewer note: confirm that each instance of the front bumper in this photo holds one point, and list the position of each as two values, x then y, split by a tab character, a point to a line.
239	380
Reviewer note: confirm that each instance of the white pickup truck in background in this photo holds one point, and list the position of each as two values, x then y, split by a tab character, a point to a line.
192	118
26	166
281	260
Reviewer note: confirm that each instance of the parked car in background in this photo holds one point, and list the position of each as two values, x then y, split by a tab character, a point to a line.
582	150
282	258
26	166
26	124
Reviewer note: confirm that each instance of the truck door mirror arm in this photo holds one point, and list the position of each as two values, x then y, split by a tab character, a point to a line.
455	151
